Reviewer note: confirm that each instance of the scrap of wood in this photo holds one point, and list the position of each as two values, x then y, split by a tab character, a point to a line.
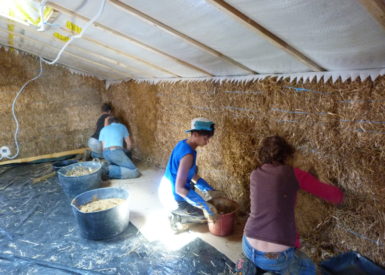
47	156
43	178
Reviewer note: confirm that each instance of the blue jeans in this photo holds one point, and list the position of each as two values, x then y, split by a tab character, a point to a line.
120	167
290	261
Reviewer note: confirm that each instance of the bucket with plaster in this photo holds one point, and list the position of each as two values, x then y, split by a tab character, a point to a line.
227	209
80	177
106	214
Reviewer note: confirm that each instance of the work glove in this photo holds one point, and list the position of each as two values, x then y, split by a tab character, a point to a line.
195	200
203	186
211	217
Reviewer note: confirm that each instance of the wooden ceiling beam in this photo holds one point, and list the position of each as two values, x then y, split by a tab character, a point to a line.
377	9
73	46
174	32
126	37
265	33
32	52
108	68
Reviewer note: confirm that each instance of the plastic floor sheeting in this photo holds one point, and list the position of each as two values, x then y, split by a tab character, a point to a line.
39	235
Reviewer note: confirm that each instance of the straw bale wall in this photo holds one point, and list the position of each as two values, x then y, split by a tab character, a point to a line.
338	130
57	112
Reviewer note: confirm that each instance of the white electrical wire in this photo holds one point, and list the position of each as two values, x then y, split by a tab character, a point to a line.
78	35
4	154
14	114
41	12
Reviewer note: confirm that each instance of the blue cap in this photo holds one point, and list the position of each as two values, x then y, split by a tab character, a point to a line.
201	124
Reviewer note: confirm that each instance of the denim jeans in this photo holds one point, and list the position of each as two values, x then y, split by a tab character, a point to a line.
120	166
288	262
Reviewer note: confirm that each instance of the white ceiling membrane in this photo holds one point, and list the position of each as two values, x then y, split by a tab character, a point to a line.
172	40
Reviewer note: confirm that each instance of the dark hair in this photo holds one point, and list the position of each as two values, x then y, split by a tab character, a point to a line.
112	119
205	132
106	107
275	149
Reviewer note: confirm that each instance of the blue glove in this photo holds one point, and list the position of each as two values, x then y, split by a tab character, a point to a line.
197	201
202	185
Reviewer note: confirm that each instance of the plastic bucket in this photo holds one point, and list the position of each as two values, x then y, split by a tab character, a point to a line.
62	163
102	224
74	185
224	225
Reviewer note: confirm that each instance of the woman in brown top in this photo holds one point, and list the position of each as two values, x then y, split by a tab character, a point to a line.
270	239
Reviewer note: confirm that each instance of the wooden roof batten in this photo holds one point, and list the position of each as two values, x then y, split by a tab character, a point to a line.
174	32
126	37
265	33
377	9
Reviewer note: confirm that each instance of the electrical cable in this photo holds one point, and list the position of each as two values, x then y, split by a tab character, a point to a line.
14	113
4	151
41	12
78	35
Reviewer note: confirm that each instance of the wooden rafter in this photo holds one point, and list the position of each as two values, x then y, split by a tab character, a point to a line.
96	42
108	68
174	32
266	34
377	9
87	51
126	37
32	52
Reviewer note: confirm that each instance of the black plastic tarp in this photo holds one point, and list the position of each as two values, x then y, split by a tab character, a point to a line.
39	235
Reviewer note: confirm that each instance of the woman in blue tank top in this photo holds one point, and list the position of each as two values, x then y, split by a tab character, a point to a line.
176	192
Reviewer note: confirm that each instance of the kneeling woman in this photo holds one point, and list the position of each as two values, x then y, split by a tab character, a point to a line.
270	233
176	192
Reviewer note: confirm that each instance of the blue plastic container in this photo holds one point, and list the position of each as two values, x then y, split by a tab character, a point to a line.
75	185
103	224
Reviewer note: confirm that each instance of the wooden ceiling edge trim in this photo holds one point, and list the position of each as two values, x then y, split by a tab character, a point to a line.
376	8
174	32
132	40
266	34
65	52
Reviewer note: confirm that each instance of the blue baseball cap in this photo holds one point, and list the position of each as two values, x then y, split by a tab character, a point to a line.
201	124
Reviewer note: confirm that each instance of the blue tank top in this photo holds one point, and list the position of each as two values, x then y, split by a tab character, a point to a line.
180	150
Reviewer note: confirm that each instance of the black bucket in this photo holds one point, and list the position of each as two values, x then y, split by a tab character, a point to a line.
103	224
75	185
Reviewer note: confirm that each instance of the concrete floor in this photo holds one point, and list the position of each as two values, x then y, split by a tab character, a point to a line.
148	215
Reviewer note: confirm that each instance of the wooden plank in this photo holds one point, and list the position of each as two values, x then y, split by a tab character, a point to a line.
174	32
126	37
377	9
265	33
47	156
43	178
